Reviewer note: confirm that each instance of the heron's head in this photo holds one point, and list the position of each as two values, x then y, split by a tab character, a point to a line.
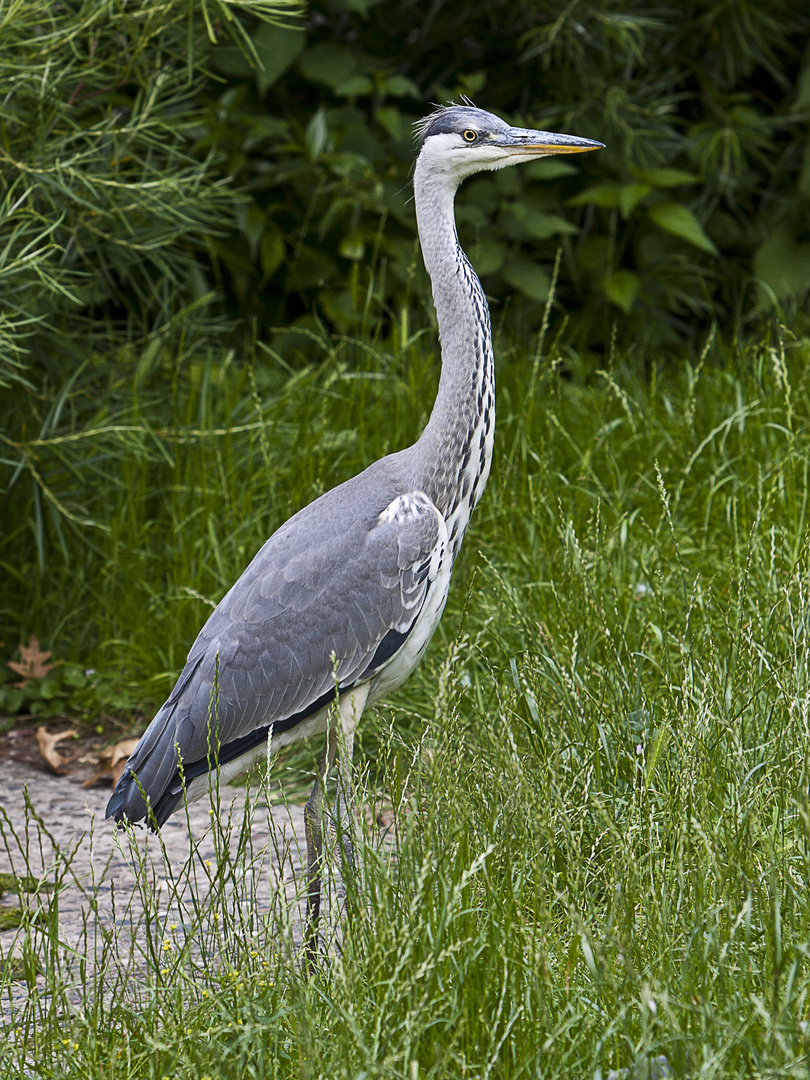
459	140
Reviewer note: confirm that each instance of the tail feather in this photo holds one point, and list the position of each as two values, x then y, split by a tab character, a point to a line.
148	773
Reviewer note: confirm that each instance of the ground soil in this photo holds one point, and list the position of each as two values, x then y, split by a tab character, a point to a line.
103	862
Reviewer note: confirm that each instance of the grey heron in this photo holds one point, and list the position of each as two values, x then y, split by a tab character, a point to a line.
338	606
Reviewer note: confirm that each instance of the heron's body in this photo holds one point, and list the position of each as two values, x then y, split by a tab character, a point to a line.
341	602
262	665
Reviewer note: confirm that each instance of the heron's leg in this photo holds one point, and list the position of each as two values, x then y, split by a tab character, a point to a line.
351	709
313	822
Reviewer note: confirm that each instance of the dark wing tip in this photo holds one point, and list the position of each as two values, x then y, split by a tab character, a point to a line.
115	807
127	807
126	804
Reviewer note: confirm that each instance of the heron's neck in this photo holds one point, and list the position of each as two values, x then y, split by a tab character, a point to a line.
455	449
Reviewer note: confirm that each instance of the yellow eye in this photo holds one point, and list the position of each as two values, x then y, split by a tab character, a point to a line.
469	136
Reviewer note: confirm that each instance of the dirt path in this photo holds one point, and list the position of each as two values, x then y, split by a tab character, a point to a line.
100	875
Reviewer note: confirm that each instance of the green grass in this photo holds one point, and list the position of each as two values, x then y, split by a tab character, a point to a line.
600	772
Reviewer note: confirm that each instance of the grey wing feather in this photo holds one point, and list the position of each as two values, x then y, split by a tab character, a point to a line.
331	582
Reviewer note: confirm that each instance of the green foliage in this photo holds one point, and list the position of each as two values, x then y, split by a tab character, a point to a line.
696	211
156	156
67	689
105	207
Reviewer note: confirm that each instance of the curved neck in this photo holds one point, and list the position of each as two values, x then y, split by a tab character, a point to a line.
455	448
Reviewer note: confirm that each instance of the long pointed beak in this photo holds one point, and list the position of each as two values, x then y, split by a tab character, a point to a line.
523	141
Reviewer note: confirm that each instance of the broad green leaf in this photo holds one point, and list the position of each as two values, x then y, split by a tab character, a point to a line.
549	169
630	196
393	122
271	252
73	676
50	687
594	253
473	83
355	86
11	699
332	65
353	246
277	48
310	270
681	222
483	191
667	177
783	265
521	220
254	224
400	86
621	289
397	201
527	277
488	256
624	197
605	195
317	132
231	61
469	214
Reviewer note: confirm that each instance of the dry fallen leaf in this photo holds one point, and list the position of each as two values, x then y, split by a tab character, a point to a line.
112	762
33	662
120	755
47	747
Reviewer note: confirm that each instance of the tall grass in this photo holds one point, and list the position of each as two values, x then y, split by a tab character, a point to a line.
599	775
125	524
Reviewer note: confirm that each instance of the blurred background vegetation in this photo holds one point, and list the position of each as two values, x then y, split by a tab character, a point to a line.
204	201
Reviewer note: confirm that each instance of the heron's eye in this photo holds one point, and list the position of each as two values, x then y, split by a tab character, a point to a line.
469	136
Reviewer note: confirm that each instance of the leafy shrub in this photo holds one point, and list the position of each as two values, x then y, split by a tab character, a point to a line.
36	686
61	692
105	211
696	211
151	164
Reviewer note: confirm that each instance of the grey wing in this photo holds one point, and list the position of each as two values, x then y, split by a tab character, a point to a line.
328	598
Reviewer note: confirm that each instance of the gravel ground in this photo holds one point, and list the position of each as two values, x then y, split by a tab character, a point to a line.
107	870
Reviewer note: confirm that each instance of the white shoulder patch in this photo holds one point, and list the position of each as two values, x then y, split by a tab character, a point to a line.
408	507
